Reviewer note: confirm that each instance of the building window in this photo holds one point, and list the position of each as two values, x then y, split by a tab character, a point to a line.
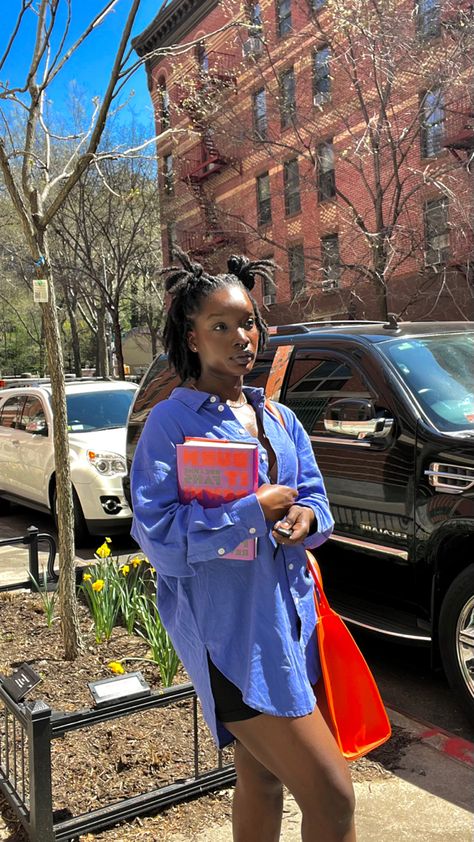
436	231
428	18
168	174
316	5
164	104
322	79
171	239
284	17
287	98
260	114
268	287
330	262
255	17
326	173
202	58
291	182
432	125
296	269
264	206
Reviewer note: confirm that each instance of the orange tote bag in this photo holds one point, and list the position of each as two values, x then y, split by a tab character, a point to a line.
347	694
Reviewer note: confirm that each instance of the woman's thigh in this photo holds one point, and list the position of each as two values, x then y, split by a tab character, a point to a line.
302	753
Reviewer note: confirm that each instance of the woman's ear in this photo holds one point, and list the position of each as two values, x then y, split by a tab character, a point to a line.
191	342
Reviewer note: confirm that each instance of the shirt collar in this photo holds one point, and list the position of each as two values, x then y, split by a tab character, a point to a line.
195	400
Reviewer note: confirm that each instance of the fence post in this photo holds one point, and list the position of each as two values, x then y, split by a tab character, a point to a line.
33	563
38	724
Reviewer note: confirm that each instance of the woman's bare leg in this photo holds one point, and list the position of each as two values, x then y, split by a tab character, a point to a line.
258	800
303	755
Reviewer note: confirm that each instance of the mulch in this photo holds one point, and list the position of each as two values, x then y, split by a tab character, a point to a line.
105	763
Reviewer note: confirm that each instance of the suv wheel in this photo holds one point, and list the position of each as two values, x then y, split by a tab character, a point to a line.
456	636
81	533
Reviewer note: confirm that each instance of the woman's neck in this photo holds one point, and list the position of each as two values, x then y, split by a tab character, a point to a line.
226	390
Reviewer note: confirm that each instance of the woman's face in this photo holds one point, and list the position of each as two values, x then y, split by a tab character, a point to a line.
225	334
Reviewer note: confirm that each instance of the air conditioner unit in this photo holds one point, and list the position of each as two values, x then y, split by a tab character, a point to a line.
252	47
268	299
329	284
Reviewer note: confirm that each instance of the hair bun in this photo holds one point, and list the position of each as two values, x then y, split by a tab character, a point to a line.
241	266
188	275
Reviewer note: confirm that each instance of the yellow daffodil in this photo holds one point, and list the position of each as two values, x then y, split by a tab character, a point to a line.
125	569
109	540
98	585
103	551
136	561
116	667
87	577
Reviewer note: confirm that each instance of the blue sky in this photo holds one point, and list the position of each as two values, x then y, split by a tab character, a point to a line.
90	67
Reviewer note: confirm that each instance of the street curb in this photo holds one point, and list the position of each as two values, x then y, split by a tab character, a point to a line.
456	748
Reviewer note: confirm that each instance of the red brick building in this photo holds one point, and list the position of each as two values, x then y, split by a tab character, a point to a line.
336	137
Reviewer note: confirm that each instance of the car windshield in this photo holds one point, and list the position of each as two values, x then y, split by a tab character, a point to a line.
439	371
99	410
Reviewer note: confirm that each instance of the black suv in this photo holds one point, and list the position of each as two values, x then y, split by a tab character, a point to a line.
390	411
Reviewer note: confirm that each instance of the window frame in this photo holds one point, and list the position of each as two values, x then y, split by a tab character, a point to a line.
260	131
297	285
264	203
432	233
284	22
326	176
321	94
287	103
428	18
165	115
269	287
432	127
291	187
331	269
168	174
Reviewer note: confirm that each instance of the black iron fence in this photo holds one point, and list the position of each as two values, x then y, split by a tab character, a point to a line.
27	730
32	540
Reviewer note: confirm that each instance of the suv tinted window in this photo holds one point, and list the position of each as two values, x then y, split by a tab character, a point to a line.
98	410
316	380
10	411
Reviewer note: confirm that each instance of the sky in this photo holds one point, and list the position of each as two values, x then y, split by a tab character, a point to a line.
90	67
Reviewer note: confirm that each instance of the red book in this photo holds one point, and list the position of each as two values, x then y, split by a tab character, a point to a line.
216	471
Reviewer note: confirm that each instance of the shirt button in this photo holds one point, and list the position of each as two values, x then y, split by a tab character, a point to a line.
290	566
221	551
213	399
296	600
221	407
242	431
252	530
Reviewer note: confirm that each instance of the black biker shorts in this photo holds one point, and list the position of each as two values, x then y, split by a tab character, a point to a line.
230	706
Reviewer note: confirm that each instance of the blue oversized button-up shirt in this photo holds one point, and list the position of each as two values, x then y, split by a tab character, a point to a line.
256	619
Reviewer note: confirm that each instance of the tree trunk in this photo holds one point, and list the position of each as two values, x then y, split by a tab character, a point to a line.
118	346
65	517
103	369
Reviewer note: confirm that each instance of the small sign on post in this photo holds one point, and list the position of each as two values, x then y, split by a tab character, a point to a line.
40	291
21	682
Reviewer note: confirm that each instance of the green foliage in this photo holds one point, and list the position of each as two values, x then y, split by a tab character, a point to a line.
152	630
48	598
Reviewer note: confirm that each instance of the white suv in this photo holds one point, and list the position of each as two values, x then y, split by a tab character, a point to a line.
97	418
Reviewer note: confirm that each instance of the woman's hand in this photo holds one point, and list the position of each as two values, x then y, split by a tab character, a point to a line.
300	519
275	500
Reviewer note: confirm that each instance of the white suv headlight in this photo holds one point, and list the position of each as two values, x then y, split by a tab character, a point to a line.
108	464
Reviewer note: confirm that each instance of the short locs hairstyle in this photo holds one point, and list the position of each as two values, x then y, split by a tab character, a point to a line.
188	285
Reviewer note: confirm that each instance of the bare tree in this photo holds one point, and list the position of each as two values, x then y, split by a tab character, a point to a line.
38	188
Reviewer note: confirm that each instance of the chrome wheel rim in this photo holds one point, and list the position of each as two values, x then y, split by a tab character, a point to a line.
465	643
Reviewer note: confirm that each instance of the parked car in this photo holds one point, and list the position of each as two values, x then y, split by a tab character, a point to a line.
97	416
389	408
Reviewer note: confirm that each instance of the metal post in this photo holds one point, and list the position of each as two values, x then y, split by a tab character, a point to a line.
32	541
38	721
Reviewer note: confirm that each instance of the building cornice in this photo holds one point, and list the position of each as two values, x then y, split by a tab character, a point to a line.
172	24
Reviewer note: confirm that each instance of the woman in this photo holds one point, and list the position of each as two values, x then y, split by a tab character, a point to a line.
244	630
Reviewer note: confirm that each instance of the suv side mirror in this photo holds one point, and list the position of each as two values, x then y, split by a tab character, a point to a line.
357	418
38	428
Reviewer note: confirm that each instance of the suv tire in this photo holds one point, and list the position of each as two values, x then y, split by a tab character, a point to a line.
456	636
81	533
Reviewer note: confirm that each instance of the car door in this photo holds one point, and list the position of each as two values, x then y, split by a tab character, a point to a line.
369	482
10	412
35	450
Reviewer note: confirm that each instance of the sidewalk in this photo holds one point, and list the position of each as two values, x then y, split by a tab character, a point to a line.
420	790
